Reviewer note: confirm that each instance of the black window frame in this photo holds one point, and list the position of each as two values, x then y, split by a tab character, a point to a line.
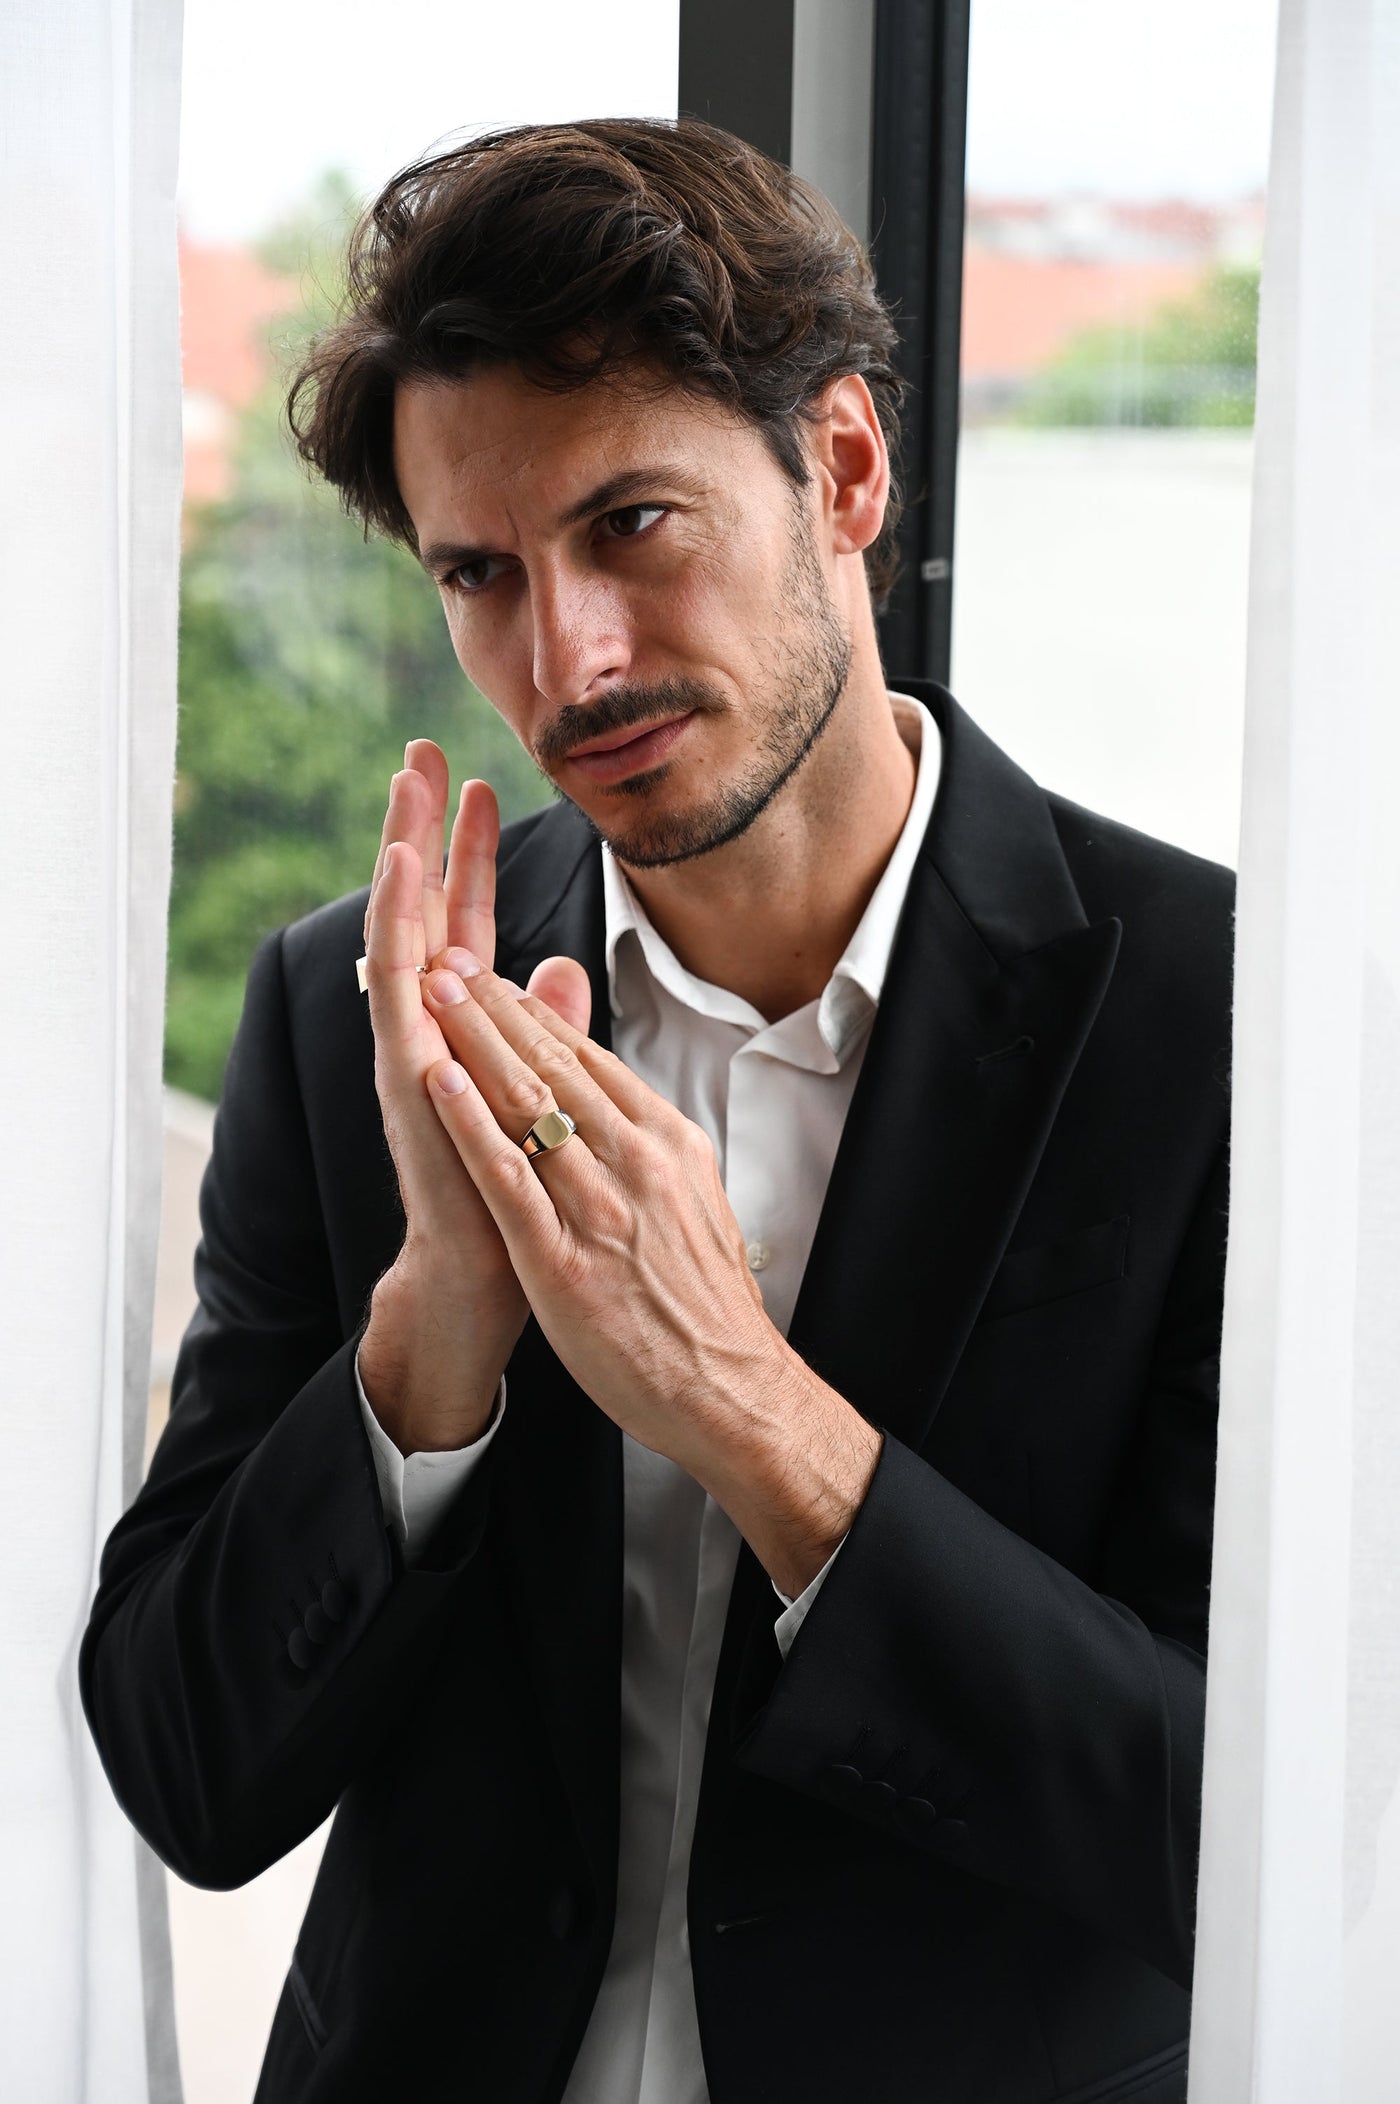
736	70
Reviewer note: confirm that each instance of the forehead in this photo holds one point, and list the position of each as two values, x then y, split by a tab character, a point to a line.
494	439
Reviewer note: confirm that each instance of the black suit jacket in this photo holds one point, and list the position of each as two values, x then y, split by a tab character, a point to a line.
947	1849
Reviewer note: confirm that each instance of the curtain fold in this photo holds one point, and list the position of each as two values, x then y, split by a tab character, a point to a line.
1297	1992
90	439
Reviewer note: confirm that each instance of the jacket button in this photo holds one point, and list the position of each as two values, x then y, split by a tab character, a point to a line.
334	1604
843	1782
562	1912
299	1649
919	1811
317	1623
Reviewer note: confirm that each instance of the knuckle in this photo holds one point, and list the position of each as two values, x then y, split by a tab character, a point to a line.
526	1096
696	1147
512	1172
573	1268
553	1059
642	1154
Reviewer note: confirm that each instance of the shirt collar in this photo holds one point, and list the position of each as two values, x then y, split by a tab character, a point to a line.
853	991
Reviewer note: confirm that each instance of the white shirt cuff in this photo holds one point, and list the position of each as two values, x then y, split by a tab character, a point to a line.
795	1611
416	1491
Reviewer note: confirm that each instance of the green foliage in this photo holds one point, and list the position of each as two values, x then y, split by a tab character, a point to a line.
308	657
1192	364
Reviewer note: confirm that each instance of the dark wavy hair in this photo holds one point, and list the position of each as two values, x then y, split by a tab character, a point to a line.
574	250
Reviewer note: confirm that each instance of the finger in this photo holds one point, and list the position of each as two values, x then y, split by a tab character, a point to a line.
513	1191
521	1068
408	819
395	948
386	834
562	984
424	758
638	1103
471	872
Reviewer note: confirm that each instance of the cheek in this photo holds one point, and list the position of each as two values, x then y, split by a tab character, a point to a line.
711	605
492	660
480	643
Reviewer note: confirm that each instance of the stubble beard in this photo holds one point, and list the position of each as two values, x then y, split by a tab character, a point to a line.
812	662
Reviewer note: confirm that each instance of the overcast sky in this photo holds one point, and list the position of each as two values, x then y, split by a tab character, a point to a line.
1129	96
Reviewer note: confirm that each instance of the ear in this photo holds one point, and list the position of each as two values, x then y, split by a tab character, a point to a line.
853	464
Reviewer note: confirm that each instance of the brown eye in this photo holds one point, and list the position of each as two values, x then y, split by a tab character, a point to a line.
473	576
633	519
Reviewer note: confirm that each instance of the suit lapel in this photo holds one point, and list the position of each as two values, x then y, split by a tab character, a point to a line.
993	984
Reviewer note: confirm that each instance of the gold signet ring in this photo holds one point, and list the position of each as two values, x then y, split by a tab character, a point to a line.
553	1130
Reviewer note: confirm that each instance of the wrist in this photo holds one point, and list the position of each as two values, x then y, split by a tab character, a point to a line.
430	1368
796	1472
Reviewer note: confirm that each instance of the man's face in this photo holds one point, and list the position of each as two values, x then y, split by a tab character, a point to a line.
639	589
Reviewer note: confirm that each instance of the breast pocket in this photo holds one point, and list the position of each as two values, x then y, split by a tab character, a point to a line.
1028	1278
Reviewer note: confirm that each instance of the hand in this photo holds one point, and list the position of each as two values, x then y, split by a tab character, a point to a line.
633	1263
446	1316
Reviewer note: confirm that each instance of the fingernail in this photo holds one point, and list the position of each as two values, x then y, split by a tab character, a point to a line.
463	963
446	988
449	1079
512	985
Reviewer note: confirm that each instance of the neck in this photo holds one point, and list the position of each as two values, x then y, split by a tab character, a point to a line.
768	915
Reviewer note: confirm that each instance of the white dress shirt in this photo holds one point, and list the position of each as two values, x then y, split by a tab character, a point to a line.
773	1099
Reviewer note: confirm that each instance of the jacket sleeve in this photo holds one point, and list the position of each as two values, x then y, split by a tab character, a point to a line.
254	1631
956	1687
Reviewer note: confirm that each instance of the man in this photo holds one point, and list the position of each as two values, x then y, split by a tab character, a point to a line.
722	1505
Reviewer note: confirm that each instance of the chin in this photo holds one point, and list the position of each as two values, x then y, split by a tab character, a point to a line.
659	837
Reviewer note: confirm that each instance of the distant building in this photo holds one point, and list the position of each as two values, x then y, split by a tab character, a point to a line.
1038	271
227	300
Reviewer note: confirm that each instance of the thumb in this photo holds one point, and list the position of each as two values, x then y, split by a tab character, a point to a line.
562	984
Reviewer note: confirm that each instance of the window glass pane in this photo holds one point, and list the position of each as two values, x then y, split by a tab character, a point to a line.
1116	167
308	657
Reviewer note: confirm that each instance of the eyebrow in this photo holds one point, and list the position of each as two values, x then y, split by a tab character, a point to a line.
613	495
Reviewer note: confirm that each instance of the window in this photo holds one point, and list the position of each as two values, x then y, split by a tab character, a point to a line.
308	658
1115	172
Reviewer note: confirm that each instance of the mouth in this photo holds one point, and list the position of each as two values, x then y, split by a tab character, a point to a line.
614	757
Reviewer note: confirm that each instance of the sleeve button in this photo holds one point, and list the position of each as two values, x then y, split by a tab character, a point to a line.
919	1811
299	1649
879	1797
843	1782
317	1623
334	1604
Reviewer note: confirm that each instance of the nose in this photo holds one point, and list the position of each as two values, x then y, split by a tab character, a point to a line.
581	635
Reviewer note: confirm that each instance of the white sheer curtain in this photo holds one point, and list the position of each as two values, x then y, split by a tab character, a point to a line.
1298	1961
90	445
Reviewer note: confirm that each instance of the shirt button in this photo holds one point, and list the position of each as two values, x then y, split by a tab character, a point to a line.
758	1254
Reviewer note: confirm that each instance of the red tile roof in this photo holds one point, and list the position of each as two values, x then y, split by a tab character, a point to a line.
227	299
1018	311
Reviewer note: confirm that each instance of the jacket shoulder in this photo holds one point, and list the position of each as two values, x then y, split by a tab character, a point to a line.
1118	870
1175	974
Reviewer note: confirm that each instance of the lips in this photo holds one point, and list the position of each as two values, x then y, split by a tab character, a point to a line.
630	751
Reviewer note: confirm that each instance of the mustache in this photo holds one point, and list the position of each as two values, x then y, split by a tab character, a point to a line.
619	710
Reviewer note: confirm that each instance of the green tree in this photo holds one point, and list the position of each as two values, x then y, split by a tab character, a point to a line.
1191	364
308	657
